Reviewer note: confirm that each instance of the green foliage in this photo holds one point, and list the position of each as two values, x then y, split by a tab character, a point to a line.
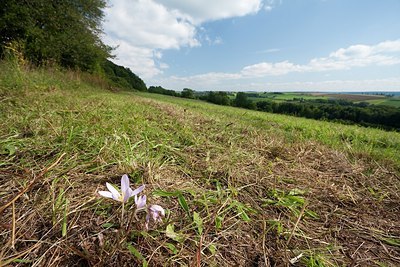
137	254
188	93
162	91
266	106
342	110
219	98
62	32
199	222
292	200
392	241
170	232
122	77
183	203
179	194
171	247
242	101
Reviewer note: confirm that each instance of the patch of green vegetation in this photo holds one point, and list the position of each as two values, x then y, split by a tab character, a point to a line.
393	102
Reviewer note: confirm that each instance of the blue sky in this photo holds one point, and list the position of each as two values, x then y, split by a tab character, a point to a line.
259	45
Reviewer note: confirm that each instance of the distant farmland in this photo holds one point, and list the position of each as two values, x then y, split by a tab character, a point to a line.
351	97
300	96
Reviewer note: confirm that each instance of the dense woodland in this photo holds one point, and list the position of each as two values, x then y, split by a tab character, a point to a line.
61	33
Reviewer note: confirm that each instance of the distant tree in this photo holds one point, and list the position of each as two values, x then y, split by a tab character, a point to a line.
220	98
264	106
161	90
242	101
188	93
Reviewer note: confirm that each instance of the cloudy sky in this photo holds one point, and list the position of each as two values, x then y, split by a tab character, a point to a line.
258	45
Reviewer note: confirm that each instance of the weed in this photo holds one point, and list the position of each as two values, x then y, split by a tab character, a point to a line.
292	200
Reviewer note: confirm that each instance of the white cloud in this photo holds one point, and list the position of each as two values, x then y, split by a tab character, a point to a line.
342	59
216	41
208	79
271	4
265	68
267	51
136	58
142	28
388	46
268	8
384	53
237	84
358	56
149	24
200	11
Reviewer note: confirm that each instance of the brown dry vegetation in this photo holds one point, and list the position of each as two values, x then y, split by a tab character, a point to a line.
301	197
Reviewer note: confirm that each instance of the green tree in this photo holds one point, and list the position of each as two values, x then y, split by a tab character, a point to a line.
242	101
64	32
264	106
219	98
188	93
161	90
122	77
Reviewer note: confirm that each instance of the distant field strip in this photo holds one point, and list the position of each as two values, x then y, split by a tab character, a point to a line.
350	97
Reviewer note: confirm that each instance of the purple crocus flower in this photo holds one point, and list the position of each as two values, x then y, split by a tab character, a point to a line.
126	191
140	202
156	212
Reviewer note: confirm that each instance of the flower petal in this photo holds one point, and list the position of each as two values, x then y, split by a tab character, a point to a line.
105	194
155	215
115	194
157	209
137	190
140	202
127	194
147	221
124	183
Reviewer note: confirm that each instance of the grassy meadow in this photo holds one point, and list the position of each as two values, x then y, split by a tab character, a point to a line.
240	187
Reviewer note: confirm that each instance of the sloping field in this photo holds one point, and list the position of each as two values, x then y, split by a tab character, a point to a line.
240	188
394	102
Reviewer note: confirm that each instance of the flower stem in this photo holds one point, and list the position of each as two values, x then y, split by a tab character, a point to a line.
122	215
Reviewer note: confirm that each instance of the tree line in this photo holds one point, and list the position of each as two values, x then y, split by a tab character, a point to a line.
65	33
338	110
386	117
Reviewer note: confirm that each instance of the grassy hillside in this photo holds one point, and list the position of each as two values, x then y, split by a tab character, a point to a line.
241	188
